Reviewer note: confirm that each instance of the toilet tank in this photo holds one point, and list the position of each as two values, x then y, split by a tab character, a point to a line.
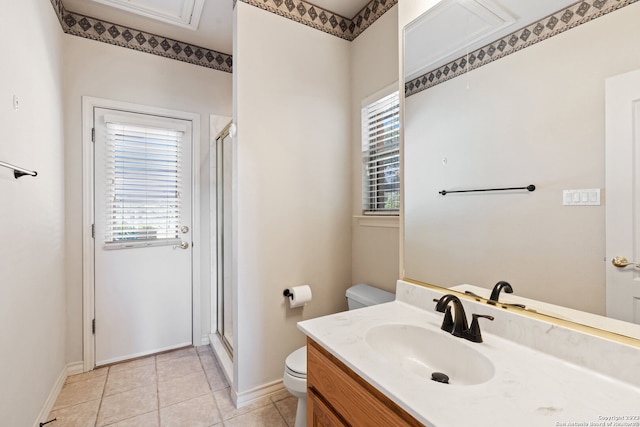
361	295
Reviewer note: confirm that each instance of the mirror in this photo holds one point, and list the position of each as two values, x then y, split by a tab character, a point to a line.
520	100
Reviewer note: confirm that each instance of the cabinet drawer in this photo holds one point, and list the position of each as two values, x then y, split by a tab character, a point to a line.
348	395
319	414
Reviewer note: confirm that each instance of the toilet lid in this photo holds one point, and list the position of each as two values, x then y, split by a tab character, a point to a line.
296	362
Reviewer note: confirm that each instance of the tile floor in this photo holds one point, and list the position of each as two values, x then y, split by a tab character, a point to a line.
184	388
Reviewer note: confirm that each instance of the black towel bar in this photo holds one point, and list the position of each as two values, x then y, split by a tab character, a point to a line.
18	171
528	187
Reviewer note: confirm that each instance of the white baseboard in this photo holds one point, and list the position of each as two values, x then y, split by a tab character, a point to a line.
51	399
70	369
248	397
204	340
75	368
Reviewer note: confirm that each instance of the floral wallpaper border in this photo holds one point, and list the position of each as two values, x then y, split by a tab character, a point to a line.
299	11
120	35
554	24
324	20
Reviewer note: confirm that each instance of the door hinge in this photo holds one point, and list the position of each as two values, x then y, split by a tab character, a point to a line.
93	134
93	231
93	326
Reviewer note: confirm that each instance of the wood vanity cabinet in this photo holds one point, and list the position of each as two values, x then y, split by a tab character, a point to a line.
337	396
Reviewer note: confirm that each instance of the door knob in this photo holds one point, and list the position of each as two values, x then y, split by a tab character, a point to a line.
622	262
184	229
183	245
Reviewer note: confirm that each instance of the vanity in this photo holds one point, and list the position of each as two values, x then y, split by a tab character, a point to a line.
373	366
338	396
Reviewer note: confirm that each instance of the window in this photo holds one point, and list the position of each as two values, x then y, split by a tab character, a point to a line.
381	156
144	179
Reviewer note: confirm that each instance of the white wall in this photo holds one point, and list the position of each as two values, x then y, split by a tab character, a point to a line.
293	188
32	228
534	117
374	66
111	72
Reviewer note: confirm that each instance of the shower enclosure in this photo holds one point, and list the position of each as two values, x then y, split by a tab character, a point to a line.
223	241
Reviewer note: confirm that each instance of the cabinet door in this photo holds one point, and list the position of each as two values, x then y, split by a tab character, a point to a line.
350	397
319	415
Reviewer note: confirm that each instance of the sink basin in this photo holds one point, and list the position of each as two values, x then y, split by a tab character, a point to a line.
420	351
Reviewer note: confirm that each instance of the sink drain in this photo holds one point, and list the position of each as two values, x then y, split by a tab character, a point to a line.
440	377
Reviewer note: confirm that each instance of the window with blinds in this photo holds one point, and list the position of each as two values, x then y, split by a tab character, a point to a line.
144	177
381	156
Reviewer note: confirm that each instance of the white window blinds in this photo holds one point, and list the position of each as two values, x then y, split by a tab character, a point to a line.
144	176
381	156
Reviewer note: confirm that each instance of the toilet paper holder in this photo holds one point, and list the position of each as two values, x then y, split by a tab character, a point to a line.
299	296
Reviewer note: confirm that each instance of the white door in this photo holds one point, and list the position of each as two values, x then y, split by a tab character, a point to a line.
622	157
142	234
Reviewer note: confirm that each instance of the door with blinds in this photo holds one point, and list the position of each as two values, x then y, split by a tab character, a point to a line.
142	234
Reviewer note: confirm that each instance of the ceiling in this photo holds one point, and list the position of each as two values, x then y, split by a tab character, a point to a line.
346	8
454	27
215	27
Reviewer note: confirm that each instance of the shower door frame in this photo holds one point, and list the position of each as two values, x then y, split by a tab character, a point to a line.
218	234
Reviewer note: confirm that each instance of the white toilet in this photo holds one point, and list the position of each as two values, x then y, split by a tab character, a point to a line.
295	368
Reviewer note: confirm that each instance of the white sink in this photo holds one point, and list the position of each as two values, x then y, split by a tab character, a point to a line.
421	351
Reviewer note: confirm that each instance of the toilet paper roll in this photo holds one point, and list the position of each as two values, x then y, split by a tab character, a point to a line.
300	296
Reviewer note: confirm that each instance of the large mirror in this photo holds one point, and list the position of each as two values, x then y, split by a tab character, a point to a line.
518	98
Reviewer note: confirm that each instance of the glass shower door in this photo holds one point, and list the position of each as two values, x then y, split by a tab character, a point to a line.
224	163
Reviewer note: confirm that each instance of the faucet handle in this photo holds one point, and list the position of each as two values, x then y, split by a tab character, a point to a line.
474	333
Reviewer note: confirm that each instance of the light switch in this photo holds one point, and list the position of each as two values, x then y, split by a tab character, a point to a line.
567	197
586	197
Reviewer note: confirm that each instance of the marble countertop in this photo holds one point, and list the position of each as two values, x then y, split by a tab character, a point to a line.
529	387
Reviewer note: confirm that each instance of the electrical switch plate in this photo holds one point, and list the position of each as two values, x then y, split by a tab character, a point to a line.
16	102
586	197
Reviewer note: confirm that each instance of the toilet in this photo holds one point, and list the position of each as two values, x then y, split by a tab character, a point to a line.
295	367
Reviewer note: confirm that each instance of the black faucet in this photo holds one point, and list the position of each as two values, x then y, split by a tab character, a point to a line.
457	324
495	293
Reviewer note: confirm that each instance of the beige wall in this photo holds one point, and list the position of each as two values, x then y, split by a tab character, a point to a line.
111	72
374	66
533	117
32	227
293	225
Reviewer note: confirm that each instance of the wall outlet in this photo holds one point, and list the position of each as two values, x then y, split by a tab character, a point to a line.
586	197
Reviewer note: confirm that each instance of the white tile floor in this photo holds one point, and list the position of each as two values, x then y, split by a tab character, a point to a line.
182	388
